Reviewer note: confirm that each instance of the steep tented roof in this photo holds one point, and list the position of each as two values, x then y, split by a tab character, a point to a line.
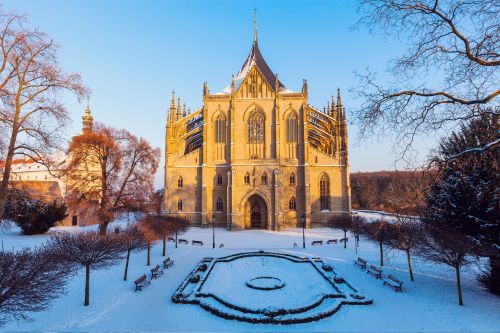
256	58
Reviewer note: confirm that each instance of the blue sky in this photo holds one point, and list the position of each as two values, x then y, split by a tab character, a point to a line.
132	54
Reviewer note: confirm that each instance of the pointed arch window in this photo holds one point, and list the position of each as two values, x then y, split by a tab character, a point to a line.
219	179
220	129
324	192
292	179
291	128
179	205
179	182
256	124
219	205
247	178
263	178
292	204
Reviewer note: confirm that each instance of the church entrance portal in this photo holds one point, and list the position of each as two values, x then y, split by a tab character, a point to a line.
256	212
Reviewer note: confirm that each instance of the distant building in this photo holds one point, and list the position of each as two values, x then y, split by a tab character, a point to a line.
49	184
257	155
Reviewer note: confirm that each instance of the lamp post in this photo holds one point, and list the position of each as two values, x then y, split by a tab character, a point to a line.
303	218
213	231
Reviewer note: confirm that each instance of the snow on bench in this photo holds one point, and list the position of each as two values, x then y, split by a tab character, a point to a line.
167	263
183	241
195	242
394	282
332	241
156	272
361	262
141	282
377	272
318	242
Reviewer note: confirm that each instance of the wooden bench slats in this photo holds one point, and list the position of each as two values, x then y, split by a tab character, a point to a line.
361	262
195	242
332	241
167	263
141	283
319	242
394	282
156	272
182	241
377	272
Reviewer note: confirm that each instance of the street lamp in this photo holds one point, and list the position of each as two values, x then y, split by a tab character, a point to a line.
303	218
213	231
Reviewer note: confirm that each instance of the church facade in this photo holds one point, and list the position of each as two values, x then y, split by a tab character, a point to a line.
257	155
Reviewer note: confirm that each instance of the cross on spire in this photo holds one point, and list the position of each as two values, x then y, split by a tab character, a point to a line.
255	25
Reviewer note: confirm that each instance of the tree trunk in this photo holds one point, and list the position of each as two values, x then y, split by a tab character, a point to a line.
381	254
149	254
345	239
176	239
126	265
164	244
7	168
409	264
459	286
87	285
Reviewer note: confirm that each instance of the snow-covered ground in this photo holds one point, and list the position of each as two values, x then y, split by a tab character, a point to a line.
429	304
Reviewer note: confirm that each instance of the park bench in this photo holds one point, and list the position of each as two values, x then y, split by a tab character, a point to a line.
156	272
170	239
360	262
183	241
342	240
167	263
394	282
195	242
332	241
377	272
221	245
319	242
141	282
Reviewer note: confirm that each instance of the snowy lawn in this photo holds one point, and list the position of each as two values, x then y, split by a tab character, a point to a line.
428	304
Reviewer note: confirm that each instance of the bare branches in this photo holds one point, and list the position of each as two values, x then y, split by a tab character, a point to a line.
89	250
31	80
114	168
29	280
455	45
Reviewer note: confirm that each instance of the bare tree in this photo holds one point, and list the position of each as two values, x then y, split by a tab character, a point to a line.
158	226
405	234
88	249
342	222
29	280
450	248
134	241
378	231
456	43
358	223
31	80
114	169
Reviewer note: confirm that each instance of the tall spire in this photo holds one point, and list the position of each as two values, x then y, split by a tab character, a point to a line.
87	119
255	38
171	114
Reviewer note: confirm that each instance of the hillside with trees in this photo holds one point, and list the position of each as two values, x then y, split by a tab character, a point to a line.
382	190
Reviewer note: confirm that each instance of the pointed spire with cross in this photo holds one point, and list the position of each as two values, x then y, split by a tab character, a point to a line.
255	37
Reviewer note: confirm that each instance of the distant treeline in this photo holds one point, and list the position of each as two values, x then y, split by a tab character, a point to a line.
386	190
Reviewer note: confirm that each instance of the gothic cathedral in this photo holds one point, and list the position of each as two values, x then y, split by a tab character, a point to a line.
257	155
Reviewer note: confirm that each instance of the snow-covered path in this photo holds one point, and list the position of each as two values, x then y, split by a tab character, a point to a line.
428	304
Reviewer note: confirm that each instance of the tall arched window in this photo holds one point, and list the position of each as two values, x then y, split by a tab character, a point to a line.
292	179
219	205
263	178
292	204
291	128
179	181
247	178
179	204
219	179
324	192
220	129
256	127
